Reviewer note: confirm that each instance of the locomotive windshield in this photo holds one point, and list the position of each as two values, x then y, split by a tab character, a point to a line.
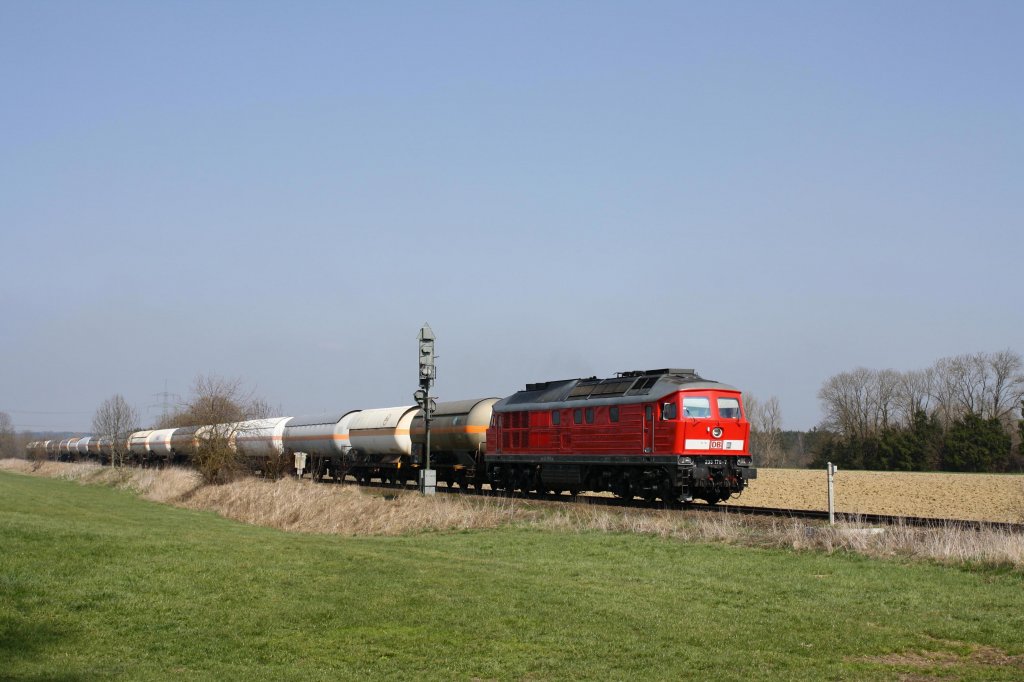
728	408
697	407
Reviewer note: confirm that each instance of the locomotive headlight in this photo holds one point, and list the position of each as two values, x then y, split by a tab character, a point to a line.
743	461
686	460
717	432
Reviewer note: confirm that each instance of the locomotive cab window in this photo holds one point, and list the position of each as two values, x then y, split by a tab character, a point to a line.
669	411
728	408
696	407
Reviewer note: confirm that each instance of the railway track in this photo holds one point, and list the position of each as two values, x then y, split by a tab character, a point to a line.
866	519
873	519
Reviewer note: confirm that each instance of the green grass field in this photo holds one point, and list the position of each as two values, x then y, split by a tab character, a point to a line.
97	584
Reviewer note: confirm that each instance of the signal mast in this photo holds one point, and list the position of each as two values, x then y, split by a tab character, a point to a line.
428	477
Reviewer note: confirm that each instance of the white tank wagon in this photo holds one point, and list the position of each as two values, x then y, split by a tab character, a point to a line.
82	447
105	446
324	438
183	443
138	445
52	449
458	436
158	445
64	449
94	448
260	437
381	444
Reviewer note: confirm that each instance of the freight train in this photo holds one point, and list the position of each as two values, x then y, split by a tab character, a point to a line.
663	434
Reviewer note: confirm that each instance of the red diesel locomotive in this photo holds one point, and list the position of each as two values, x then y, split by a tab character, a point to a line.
665	433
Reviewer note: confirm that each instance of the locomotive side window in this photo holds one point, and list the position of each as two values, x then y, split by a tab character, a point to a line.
556	417
728	408
590	415
669	411
577	416
696	407
613	413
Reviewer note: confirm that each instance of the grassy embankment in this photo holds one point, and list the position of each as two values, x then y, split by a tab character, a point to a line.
97	583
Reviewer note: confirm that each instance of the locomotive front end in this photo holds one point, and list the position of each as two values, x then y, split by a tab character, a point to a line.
715	443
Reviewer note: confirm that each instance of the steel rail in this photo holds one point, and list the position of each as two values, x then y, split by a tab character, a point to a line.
810	514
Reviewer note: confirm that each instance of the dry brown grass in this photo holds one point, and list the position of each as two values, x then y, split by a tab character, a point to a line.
303	506
970	497
306	507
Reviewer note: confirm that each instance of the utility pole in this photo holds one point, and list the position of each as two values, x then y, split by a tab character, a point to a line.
428	477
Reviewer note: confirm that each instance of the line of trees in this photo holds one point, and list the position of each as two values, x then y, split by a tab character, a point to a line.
961	414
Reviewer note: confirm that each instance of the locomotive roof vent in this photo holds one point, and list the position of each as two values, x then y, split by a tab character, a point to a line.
657	372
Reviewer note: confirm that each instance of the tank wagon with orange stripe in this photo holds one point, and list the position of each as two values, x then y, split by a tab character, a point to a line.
458	440
324	438
666	433
260	439
382	444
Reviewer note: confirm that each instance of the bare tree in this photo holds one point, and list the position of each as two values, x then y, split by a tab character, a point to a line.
765	419
1006	388
8	443
990	385
115	420
914	394
220	407
848	401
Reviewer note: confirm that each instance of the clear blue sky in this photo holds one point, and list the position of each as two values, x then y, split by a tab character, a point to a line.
285	191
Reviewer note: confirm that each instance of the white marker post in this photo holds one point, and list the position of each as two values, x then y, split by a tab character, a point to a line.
832	469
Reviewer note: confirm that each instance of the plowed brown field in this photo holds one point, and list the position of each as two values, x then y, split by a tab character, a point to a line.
978	497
